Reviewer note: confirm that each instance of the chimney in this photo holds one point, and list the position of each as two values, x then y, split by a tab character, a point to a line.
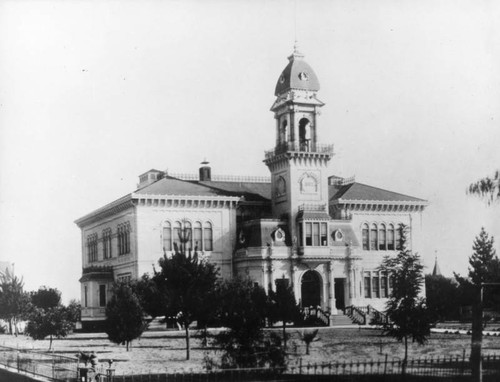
205	171
149	177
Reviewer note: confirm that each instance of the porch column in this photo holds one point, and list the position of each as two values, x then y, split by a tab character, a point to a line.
265	280
333	309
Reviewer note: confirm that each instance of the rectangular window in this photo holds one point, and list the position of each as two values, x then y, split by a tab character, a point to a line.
375	287
308	234
385	291
315	234
324	240
85	296
368	290
102	295
390	281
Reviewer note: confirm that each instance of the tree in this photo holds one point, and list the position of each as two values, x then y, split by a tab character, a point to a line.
152	299
442	297
124	315
486	188
14	302
308	337
406	310
284	307
48	317
484	268
188	284
243	309
46	298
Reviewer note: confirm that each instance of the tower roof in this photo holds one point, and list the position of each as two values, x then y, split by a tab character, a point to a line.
436	271
298	74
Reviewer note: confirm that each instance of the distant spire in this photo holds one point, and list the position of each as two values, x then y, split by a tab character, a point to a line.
436	271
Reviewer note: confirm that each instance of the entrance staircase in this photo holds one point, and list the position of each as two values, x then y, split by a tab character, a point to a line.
340	320
366	315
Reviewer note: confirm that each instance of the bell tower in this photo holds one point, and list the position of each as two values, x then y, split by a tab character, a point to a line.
298	161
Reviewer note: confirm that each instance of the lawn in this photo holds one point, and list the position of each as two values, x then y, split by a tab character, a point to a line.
164	351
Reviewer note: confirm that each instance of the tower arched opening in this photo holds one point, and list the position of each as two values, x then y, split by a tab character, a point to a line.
305	134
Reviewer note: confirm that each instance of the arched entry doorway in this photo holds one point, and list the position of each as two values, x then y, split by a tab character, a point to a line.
310	289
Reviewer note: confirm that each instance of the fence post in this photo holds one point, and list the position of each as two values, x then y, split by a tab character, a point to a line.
385	364
463	362
300	366
18	362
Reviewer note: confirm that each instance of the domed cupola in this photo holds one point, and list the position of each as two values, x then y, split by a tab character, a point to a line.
297	75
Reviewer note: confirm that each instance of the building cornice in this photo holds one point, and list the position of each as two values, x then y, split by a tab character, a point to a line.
190	201
381	205
138	199
112	208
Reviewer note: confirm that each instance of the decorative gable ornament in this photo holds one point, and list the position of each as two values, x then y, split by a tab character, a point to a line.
338	235
279	235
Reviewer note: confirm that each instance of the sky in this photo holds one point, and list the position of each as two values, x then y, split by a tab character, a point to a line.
94	93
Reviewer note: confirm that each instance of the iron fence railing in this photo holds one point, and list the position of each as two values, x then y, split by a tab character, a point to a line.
52	366
309	147
424	369
452	368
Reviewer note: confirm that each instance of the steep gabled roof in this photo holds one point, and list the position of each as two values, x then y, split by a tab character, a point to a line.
362	192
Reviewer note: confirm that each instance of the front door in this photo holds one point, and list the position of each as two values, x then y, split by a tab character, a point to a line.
311	289
340	294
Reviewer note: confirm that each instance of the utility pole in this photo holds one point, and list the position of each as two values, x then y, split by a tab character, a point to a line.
477	336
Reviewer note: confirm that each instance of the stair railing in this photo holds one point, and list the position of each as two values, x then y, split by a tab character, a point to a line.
377	317
316	312
356	314
323	316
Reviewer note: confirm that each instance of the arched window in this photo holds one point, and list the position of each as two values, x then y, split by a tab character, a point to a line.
197	236
283	132
304	134
365	235
92	247
381	237
123	236
167	236
399	237
373	237
177	235
119	237
390	238
207	237
127	238
188	235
